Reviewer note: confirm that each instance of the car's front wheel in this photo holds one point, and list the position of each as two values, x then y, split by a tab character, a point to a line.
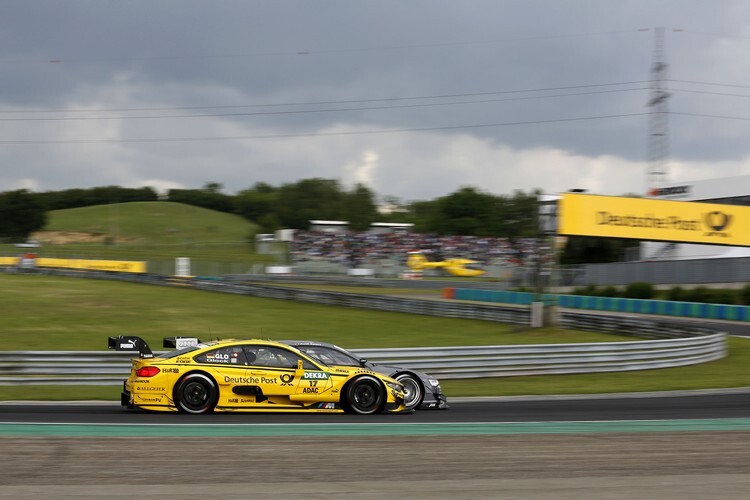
196	393
365	395
413	392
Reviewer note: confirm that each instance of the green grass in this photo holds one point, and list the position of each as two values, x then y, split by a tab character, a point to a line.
79	314
151	221
152	231
727	372
53	313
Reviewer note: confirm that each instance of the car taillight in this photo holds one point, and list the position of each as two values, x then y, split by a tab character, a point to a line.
147	371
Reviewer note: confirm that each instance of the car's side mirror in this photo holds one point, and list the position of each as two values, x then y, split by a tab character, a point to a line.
362	362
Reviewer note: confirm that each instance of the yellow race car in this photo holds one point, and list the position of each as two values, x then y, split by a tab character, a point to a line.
249	375
467	268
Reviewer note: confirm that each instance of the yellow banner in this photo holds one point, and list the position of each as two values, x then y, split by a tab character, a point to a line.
8	261
123	266
660	220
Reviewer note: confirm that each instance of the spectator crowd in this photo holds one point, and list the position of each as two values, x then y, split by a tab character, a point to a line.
359	248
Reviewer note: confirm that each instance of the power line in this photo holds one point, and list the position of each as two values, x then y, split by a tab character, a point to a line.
353	133
695	82
318	103
313	111
705	92
705	115
317	134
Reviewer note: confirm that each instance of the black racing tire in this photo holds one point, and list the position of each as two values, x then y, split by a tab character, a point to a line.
365	395
413	390
196	393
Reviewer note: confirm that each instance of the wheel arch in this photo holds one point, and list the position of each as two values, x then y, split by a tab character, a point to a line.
345	391
197	371
416	378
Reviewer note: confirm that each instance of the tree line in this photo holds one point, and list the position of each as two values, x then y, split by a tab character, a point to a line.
468	211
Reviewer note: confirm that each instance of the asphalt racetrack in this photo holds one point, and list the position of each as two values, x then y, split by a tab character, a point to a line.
682	446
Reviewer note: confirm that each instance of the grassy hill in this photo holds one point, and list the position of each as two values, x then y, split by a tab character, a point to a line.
152	222
151	231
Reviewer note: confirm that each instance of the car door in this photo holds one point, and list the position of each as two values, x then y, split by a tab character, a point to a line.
281	372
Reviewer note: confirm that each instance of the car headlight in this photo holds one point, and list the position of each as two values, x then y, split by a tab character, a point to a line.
395	387
434	382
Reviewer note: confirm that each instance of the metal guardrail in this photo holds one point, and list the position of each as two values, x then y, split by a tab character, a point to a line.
446	309
677	344
378	282
693	346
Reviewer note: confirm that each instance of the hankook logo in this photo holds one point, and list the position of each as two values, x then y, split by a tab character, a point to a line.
669	191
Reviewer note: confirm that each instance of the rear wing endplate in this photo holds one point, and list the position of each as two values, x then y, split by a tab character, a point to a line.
130	344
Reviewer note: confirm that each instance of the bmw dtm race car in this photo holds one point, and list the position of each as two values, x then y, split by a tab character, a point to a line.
249	375
421	391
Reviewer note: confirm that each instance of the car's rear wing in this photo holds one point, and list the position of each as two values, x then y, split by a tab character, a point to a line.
180	342
130	344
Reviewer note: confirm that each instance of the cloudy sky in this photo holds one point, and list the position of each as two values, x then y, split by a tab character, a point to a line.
414	98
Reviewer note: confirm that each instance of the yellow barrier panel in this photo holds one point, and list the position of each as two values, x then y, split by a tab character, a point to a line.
660	220
123	266
8	261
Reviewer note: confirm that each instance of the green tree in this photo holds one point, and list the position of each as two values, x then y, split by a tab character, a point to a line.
257	202
466	212
425	215
359	208
208	197
309	199
21	213
520	216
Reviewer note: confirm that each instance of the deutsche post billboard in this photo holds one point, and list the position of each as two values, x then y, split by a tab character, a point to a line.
659	220
121	266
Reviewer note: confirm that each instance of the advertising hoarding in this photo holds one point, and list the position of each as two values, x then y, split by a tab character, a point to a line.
657	220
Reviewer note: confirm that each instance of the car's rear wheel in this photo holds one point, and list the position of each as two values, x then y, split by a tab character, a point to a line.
196	393
365	395
413	392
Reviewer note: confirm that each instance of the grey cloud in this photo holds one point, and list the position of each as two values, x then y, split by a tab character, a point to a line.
189	53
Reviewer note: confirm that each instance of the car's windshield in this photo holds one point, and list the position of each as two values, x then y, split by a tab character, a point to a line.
329	355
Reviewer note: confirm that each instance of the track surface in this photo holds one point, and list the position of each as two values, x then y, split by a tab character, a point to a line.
534	466
633	407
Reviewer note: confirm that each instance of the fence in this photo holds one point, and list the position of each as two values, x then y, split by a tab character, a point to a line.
609	304
677	345
663	272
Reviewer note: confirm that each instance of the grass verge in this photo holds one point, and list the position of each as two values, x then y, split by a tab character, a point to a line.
55	313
